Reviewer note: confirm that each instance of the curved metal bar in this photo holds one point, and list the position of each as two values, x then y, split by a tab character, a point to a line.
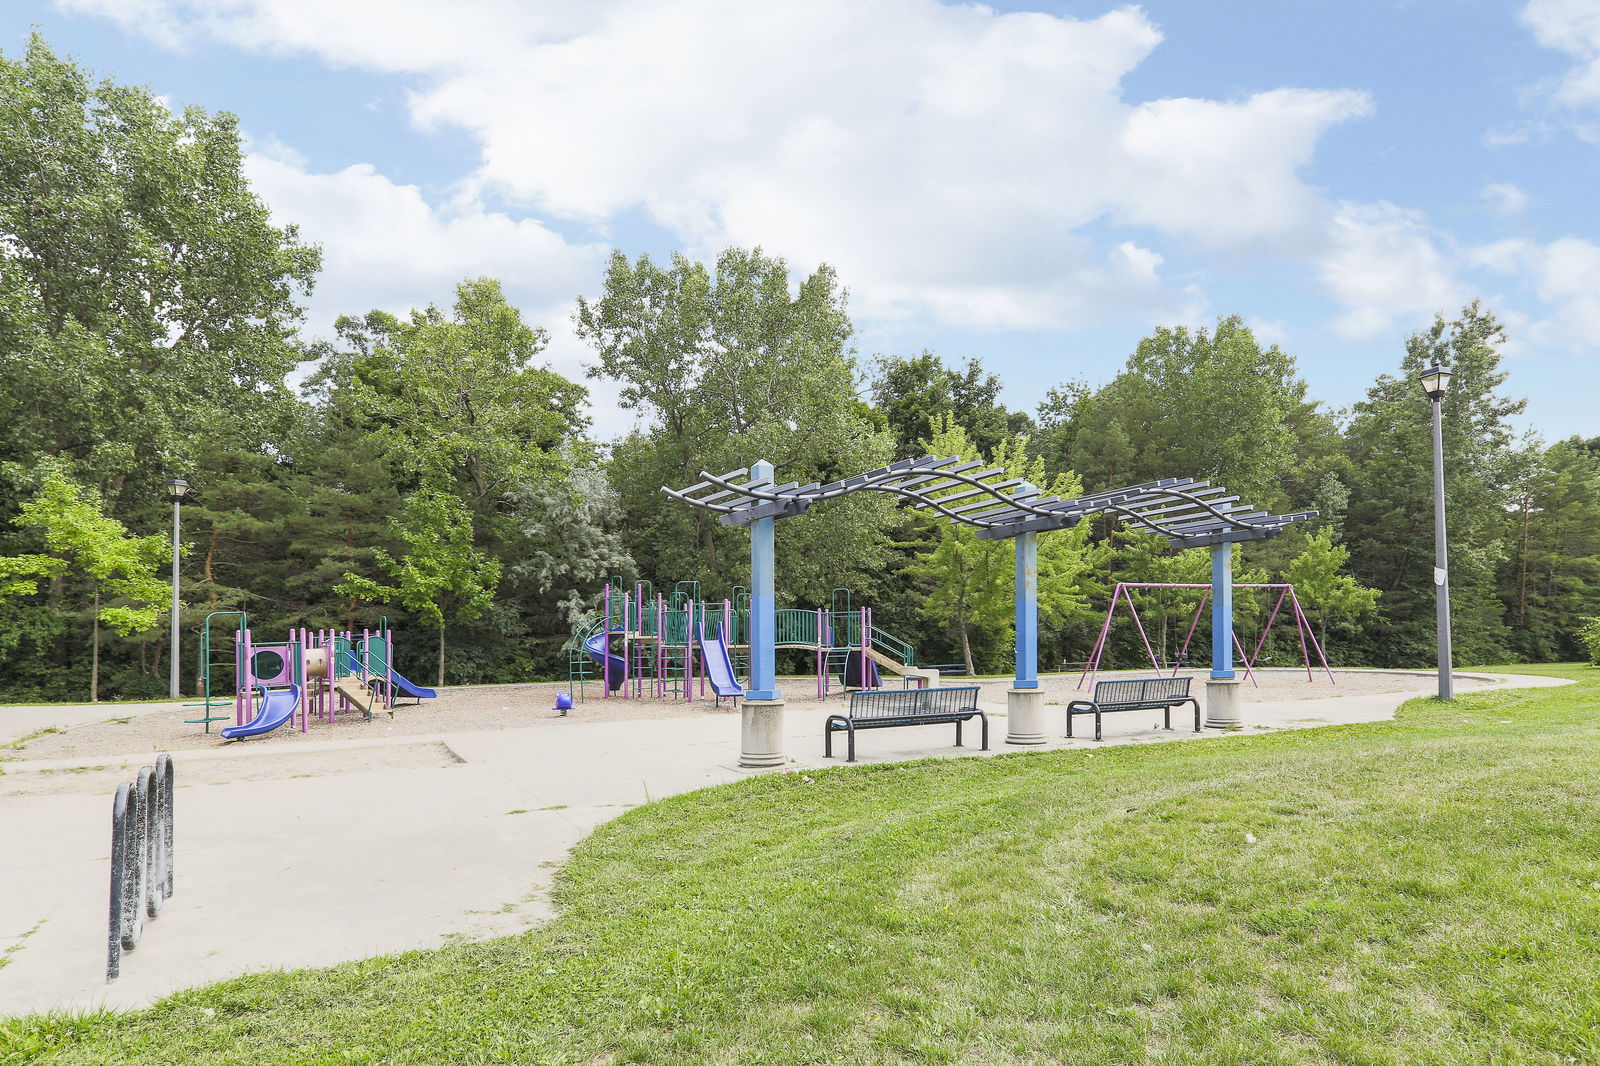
1180	509
1204	506
878	482
686	498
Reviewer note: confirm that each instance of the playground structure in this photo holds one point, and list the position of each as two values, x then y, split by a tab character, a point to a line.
314	673
649	645
1123	593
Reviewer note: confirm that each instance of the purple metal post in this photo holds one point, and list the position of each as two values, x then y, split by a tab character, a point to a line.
243	703
605	665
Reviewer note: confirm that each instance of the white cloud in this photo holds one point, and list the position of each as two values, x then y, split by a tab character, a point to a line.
1504	198
1568	278
1573	27
1385	267
1565	276
385	247
949	160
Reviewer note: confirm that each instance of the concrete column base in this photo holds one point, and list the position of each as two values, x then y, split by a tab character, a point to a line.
1223	709
1024	716
761	733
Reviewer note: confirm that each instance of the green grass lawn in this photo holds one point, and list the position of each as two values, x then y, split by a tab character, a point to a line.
1423	891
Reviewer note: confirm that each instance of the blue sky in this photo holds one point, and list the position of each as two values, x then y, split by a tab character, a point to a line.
1037	185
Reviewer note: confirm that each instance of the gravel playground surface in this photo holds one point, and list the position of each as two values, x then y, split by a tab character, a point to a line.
489	707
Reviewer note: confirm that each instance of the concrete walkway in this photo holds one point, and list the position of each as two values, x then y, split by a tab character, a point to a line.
342	850
18	722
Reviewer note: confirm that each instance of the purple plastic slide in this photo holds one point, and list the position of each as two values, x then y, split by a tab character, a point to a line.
277	707
719	667
599	649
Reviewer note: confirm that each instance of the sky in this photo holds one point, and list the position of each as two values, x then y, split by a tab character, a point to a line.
1037	185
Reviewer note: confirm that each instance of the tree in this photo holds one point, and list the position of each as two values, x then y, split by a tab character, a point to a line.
1589	637
1551	573
970	581
146	301
458	401
729	367
1327	593
573	539
1207	404
119	567
914	393
440	568
1389	529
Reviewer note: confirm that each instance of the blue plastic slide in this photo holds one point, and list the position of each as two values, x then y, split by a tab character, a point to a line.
599	649
407	688
719	667
352	665
277	707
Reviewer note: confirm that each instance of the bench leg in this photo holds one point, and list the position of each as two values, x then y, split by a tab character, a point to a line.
1196	715
851	734
827	742
1166	717
1097	723
958	732
1069	725
985	720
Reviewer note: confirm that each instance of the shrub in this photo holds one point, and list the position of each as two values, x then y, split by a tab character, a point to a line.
1589	635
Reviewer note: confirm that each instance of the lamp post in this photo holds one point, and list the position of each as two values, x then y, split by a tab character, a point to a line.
177	488
1436	382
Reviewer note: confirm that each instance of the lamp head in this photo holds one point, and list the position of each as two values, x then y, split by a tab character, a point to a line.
1435	382
177	488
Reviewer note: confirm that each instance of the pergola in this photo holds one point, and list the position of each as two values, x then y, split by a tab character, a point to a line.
1189	512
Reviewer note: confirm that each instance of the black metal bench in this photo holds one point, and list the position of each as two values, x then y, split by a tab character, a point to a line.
1142	694
882	708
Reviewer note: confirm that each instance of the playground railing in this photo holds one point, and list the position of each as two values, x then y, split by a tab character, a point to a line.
797	627
894	647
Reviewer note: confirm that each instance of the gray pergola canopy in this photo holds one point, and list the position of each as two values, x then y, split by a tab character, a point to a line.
1190	513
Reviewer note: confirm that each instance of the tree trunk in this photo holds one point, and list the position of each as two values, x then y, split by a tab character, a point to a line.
94	659
1522	577
966	647
211	556
441	656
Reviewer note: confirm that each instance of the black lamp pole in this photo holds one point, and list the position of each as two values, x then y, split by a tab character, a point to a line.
1436	382
177	488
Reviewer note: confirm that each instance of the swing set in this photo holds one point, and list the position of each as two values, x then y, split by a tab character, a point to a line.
1124	593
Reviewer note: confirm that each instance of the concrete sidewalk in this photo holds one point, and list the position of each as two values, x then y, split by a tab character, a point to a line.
329	852
17	722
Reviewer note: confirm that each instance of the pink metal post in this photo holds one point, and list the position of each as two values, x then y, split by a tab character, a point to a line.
1194	623
1092	667
1100	641
1307	632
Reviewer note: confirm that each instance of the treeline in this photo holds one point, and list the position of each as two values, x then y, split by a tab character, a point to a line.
431	469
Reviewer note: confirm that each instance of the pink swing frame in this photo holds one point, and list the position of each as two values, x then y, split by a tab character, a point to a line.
1123	593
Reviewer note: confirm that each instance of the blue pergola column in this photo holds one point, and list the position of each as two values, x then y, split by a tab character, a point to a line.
1222	611
763	601
761	717
1027	610
1024	700
1222	687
